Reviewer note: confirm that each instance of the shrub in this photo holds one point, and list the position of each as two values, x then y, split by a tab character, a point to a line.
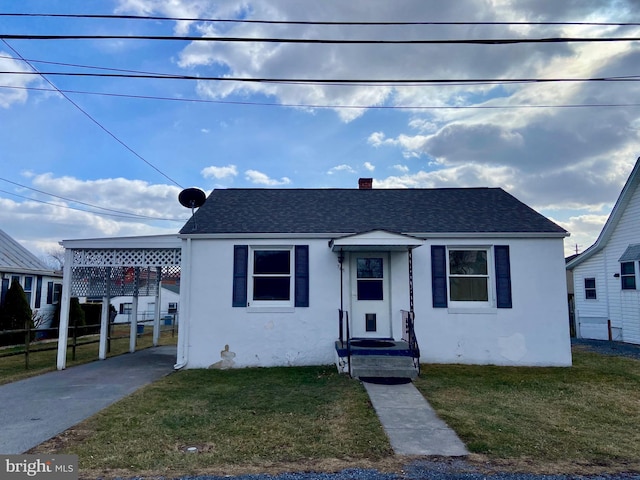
15	315
76	314
92	314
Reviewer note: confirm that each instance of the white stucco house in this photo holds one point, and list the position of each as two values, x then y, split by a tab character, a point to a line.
42	285
292	276
276	277
606	275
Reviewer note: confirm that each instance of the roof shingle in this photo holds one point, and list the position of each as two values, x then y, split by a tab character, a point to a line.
443	210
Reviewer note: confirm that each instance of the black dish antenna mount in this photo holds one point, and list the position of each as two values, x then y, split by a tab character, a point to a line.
192	198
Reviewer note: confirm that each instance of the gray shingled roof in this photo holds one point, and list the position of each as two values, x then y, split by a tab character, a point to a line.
446	210
15	258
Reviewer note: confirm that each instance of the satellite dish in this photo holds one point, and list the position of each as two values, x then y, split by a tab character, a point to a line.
192	198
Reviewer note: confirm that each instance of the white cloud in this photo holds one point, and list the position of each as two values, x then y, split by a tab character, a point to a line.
14	85
260	178
341	168
401	168
59	219
369	166
219	172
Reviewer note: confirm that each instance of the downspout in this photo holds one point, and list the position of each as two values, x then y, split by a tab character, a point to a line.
185	306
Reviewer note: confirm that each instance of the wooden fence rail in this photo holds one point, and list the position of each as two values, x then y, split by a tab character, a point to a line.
33	345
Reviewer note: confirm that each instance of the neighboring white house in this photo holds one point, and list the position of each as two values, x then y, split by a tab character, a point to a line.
169	301
606	275
265	273
41	285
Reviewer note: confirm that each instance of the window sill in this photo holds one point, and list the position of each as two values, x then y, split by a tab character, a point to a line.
268	309
472	311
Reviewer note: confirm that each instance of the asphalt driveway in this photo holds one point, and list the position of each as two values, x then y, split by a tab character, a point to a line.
38	408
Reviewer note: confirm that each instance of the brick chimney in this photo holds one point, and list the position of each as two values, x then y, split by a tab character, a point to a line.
365	183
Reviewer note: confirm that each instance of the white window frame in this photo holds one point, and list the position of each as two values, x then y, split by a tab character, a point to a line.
252	275
490	278
593	289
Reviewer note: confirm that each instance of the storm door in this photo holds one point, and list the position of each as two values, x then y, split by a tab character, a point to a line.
370	296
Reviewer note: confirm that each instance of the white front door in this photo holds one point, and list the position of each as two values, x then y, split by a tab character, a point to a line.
370	314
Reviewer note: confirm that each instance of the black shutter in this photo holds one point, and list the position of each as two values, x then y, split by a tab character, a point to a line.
439	276
4	289
302	276
49	293
38	291
503	276
240	265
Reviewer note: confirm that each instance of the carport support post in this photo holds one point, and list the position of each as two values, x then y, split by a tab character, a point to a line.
105	315
134	323
63	330
156	316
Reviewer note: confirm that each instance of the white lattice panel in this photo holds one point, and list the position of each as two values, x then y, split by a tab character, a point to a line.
130	257
116	272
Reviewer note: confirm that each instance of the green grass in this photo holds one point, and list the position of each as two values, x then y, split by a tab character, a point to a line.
245	417
553	420
586	414
13	368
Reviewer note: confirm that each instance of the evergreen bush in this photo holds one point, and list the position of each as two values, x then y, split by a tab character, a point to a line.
15	314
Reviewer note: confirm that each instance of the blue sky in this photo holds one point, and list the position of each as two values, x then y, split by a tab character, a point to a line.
57	165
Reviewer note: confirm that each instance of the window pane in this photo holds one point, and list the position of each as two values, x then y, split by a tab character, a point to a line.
628	283
589	283
627	268
271	262
468	262
370	268
590	294
28	284
271	288
370	290
469	289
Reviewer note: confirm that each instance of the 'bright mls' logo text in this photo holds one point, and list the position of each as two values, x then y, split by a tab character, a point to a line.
60	467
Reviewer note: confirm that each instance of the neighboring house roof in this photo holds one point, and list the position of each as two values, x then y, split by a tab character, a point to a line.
444	210
14	258
172	288
618	209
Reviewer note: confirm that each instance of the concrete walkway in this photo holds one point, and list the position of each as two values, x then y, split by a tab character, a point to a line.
410	423
38	408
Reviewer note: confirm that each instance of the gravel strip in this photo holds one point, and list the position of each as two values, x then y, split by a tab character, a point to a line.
605	347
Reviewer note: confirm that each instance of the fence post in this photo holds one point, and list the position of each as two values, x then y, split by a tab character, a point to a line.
27	338
75	338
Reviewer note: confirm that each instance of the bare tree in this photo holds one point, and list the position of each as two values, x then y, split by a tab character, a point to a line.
55	258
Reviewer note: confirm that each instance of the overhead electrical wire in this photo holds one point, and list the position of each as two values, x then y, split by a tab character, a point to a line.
306	22
325	41
88	115
80	209
120	212
328	106
338	82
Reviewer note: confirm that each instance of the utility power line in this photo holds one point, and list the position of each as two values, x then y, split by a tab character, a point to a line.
118	213
329	106
306	22
191	38
342	81
88	115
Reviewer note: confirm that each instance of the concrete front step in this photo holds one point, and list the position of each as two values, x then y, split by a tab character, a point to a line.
383	366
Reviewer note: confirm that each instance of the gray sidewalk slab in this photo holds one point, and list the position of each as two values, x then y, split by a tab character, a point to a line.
38	408
410	423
